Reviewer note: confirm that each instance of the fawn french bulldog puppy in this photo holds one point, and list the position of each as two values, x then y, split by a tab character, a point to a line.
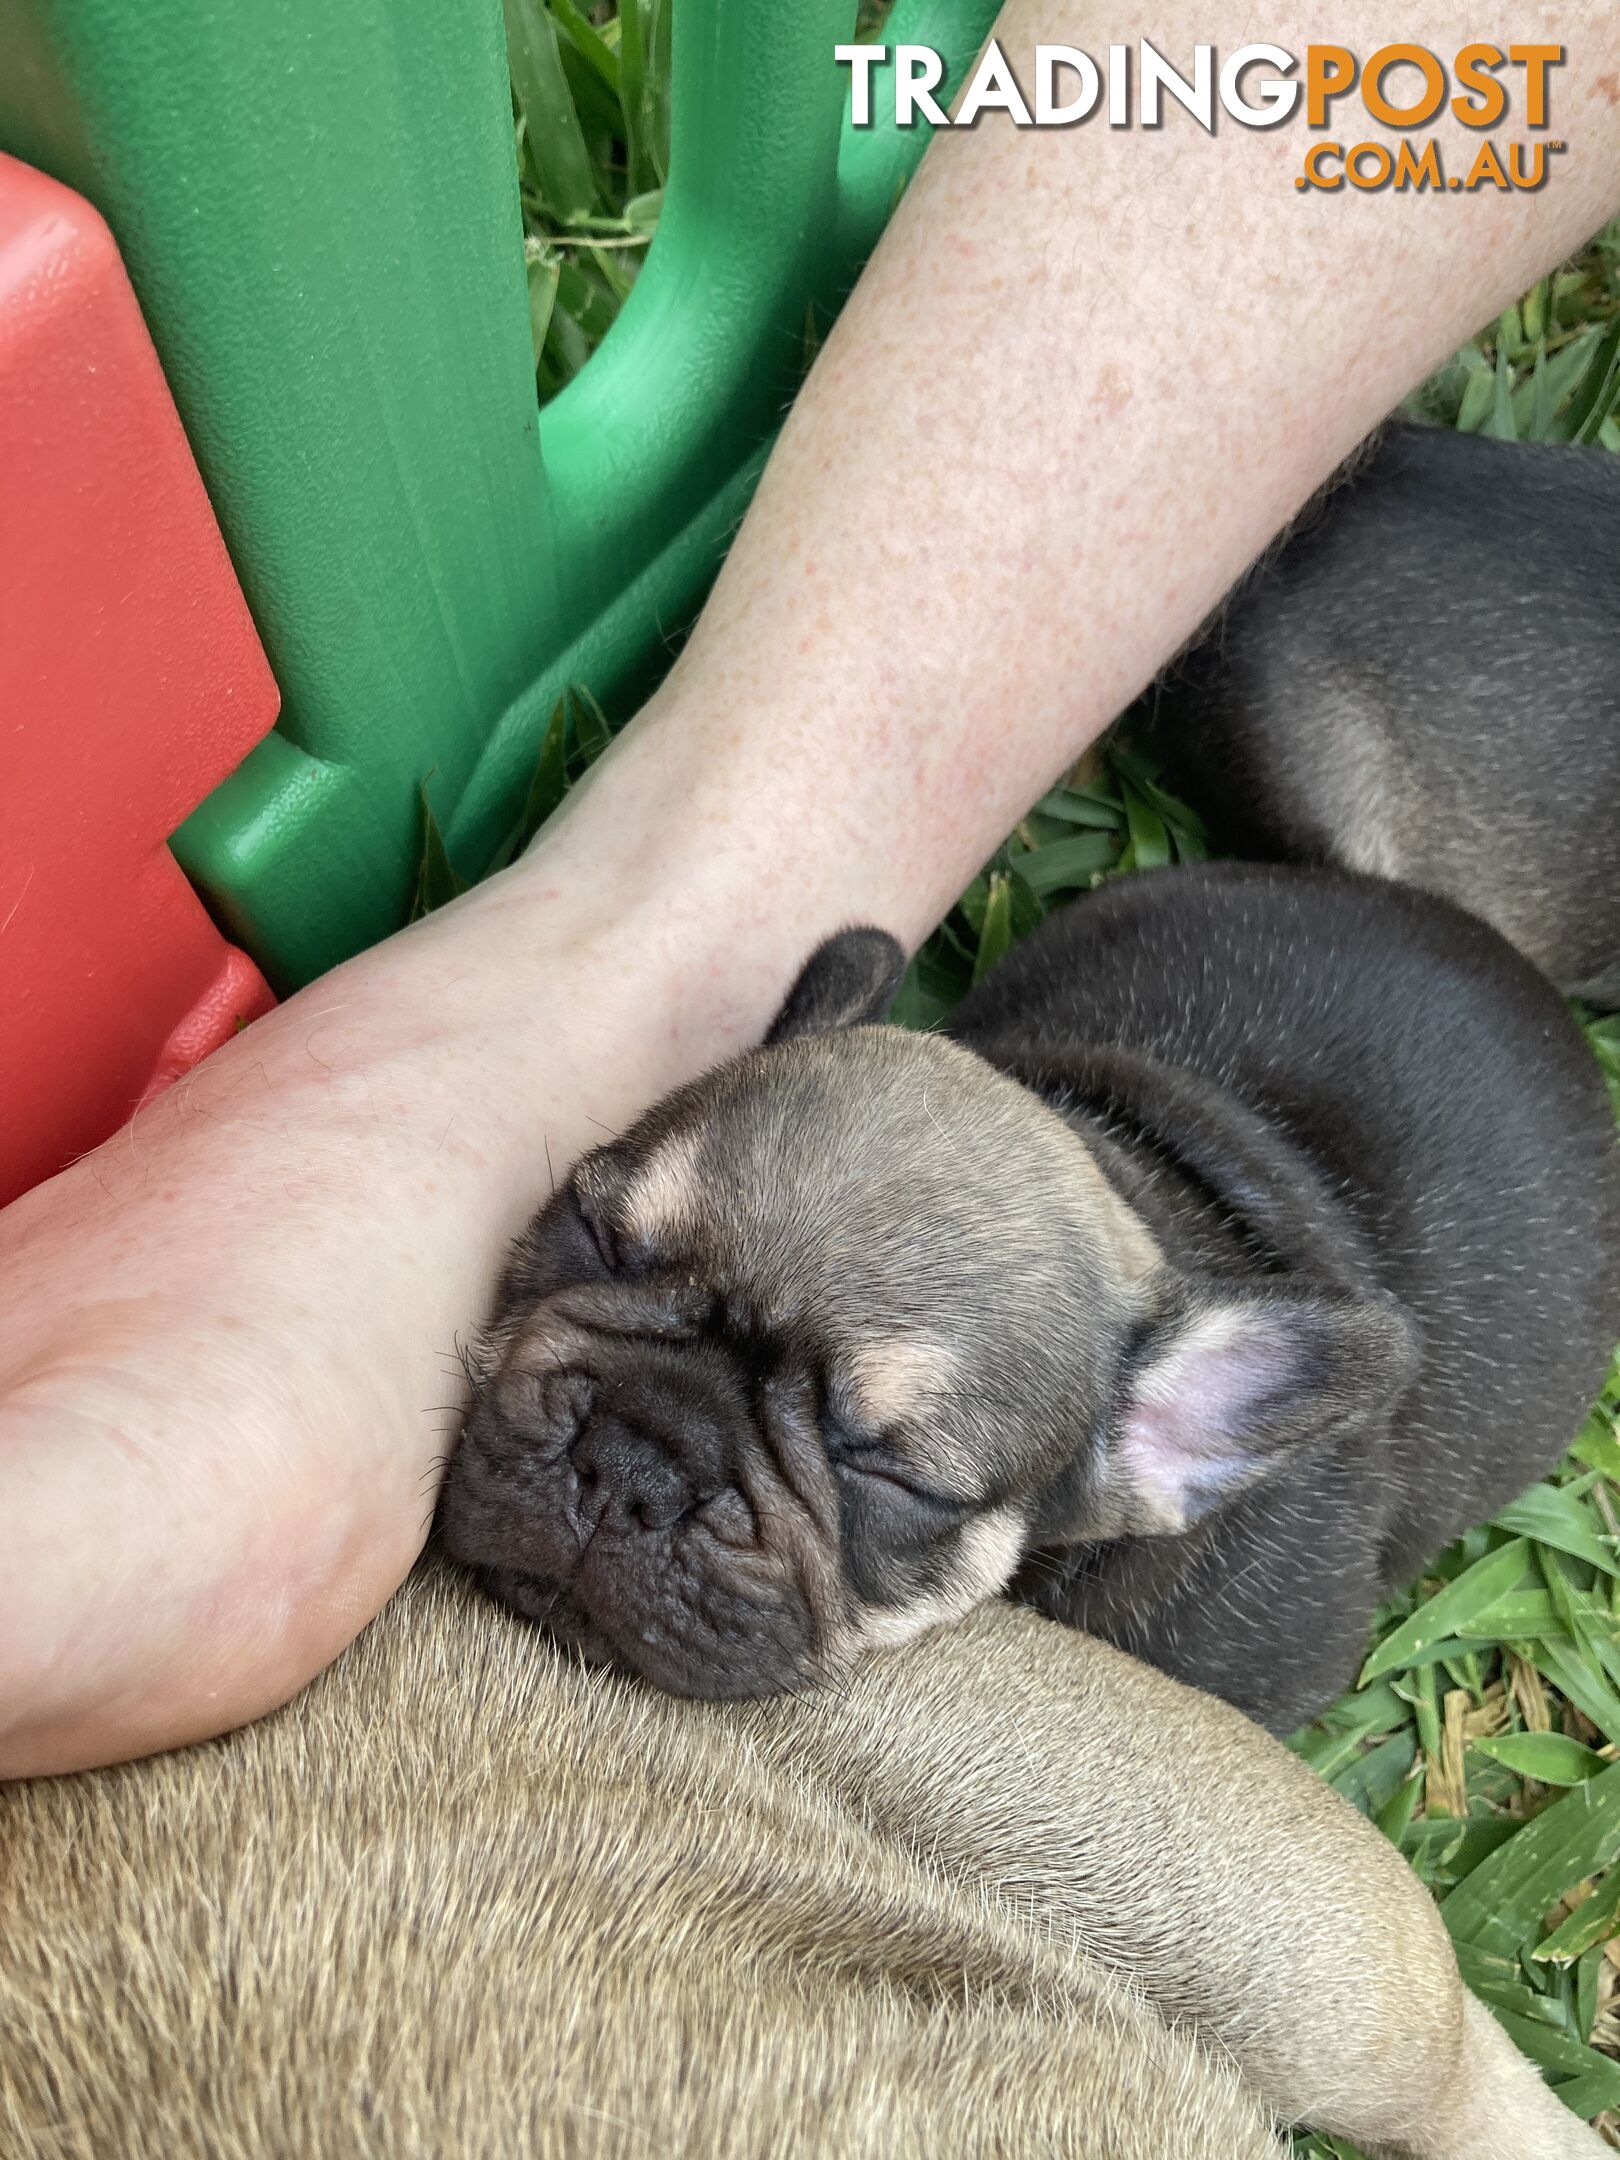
1423	680
1252	1232
1008	1893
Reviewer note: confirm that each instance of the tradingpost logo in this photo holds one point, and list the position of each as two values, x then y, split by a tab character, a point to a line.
1405	87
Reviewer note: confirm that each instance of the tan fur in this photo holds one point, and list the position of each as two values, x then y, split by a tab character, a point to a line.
666	1199
467	1900
978	1111
972	1114
1120	1227
981	1567
896	1377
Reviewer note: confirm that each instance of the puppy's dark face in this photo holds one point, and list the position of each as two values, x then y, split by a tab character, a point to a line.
793	1368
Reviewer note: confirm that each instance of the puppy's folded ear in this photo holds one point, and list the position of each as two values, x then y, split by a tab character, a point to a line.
851	978
1231	1383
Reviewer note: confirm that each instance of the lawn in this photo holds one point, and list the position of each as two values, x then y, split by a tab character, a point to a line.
1484	1737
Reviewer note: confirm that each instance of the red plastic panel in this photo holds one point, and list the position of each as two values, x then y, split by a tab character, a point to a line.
131	682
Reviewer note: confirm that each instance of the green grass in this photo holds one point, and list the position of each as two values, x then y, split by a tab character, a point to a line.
1484	1737
1483	1740
590	108
1548	369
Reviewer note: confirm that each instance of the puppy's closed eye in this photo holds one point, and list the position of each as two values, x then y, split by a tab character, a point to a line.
895	1501
910	1549
905	1513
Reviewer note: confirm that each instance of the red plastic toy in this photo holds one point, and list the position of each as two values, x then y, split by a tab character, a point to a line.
131	683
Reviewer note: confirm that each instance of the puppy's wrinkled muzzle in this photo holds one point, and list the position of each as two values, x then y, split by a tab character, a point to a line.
615	1487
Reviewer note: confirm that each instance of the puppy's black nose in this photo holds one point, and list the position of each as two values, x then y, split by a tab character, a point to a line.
626	1480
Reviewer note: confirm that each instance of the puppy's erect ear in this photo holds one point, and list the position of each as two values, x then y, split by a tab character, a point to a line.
1231	1383
851	978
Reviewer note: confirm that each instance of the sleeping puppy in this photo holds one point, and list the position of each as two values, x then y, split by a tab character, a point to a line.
1423	680
1251	1233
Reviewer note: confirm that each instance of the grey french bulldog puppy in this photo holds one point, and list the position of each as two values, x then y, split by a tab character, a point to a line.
1249	1234
1422	680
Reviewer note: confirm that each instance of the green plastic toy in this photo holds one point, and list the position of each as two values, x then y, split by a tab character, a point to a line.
318	209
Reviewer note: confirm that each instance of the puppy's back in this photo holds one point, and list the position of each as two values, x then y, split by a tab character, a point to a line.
1423	680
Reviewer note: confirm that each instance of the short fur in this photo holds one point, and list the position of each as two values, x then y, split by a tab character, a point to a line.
1008	1894
1423	680
1256	1233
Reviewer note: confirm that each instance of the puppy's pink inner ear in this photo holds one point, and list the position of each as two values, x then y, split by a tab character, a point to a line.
1195	1416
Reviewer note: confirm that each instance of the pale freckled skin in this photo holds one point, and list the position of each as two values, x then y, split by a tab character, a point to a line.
964	558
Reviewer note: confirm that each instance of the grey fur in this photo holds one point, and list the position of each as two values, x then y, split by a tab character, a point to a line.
1423	680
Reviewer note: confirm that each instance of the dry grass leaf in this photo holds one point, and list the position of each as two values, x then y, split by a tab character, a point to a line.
1535	1711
